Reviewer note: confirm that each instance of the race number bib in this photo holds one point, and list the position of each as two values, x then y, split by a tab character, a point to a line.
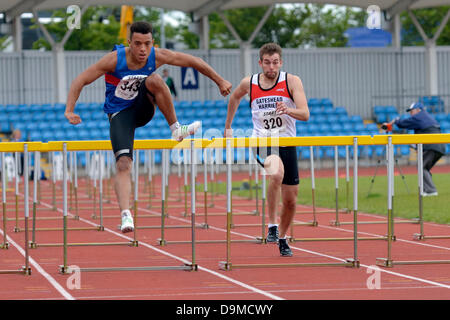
271	122
128	86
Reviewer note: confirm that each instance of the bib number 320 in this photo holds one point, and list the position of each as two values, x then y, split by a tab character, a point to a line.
273	123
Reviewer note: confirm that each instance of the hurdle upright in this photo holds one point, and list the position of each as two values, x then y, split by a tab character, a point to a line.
14	147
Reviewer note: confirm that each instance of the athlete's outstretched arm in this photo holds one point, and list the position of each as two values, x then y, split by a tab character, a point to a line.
165	56
301	112
233	104
92	73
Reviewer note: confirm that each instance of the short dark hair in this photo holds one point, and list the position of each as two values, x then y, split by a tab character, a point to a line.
140	27
270	49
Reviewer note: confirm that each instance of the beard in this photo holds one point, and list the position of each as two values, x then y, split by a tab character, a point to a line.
271	75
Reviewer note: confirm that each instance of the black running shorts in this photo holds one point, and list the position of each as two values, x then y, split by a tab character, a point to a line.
124	122
288	156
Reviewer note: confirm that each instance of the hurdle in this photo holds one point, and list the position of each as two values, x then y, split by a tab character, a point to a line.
313	187
65	269
228	265
77	146
207	144
335	222
73	184
413	221
164	188
388	262
25	270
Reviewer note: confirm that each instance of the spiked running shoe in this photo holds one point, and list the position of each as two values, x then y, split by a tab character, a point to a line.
185	130
272	235
285	251
127	223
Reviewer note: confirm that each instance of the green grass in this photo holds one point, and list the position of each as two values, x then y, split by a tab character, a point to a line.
435	209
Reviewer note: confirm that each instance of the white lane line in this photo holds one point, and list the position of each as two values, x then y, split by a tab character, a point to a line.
343	260
236	282
36	265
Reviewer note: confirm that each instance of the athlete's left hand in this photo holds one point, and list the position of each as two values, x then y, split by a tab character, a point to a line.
225	87
282	108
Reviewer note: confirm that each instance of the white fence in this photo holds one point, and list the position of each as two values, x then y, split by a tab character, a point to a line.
357	79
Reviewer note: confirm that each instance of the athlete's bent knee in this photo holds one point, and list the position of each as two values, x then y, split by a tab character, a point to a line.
123	164
274	167
154	81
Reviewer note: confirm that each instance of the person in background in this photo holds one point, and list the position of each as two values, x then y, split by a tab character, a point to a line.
170	83
422	122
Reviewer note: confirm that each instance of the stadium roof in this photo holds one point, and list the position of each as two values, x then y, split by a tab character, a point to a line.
200	8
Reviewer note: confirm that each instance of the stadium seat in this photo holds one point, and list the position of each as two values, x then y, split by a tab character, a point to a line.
340	111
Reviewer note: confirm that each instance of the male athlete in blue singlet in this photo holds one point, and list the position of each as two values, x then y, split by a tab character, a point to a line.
132	91
277	101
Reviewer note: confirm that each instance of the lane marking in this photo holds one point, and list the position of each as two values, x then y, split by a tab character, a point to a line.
236	282
36	265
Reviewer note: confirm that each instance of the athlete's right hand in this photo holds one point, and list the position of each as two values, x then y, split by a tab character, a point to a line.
72	117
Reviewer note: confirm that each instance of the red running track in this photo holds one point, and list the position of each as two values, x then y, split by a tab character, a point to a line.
209	282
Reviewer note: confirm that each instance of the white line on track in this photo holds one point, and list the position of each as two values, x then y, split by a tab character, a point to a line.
234	281
36	265
343	260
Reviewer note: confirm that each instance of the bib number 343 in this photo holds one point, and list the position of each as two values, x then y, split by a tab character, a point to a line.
128	87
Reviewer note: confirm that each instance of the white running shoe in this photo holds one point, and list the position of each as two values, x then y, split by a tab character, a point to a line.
185	130
127	222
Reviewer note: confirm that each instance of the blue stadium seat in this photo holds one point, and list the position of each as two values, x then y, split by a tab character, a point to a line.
197	104
314	102
336	127
305	153
355	119
326	103
71	135
208	104
34	135
83	134
440	117
340	111
95	134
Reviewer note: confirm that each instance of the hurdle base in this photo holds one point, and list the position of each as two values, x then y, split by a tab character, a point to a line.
261	240
161	242
17	230
186	267
352	263
32	245
418	236
204	226
225	266
349	263
26	271
4	246
335	223
384	262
